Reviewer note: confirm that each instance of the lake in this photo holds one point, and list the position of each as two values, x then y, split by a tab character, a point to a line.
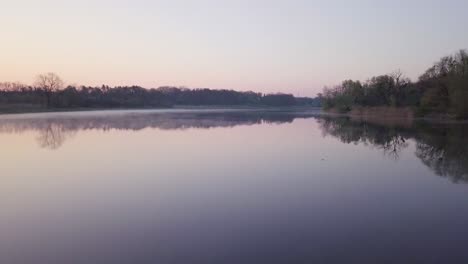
230	186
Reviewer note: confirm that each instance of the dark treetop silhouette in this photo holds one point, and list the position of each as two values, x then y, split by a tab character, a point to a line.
443	88
48	92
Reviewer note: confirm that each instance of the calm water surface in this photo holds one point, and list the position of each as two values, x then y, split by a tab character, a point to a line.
230	187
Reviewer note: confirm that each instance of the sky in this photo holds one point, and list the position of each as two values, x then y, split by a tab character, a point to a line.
293	46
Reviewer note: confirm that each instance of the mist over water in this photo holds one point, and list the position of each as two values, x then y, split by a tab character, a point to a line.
232	186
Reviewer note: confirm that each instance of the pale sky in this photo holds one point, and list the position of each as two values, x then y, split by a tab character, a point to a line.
294	46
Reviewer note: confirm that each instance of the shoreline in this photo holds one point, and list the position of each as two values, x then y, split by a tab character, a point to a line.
177	107
404	115
397	116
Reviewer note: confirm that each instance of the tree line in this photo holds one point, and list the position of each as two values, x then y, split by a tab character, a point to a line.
49	91
443	88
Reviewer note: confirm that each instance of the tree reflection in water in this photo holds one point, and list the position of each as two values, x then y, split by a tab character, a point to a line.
389	139
444	149
441	147
54	130
53	136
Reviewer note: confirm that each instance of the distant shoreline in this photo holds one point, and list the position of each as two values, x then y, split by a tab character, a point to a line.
33	110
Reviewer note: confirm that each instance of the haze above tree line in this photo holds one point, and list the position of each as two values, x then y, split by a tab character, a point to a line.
442	89
49	92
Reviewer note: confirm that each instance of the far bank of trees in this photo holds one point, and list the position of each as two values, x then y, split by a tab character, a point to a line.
49	92
443	88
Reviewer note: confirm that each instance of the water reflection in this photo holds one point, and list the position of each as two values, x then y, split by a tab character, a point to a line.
53	136
54	130
391	140
441	147
444	149
206	193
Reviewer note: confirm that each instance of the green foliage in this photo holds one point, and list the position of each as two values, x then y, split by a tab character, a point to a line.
446	85
443	88
459	97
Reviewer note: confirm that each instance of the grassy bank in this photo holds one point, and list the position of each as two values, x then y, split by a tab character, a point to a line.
403	116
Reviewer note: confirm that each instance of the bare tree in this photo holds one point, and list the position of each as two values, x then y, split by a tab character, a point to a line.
49	83
400	81
12	86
